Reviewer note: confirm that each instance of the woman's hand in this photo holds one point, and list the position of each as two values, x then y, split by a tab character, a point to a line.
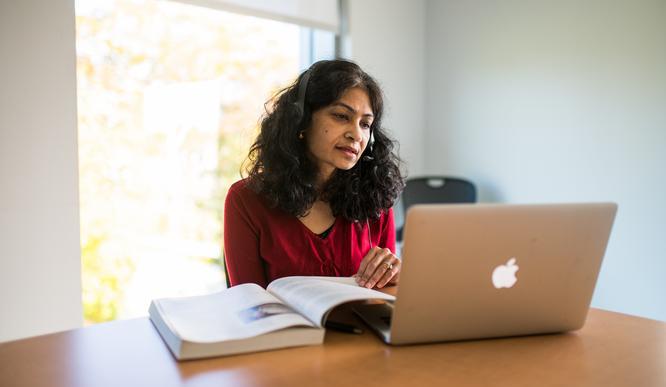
379	268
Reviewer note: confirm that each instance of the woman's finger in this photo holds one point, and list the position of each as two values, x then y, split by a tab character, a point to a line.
390	274
372	261
384	269
376	267
361	275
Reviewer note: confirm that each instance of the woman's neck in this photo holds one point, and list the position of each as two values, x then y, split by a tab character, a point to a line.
323	177
319	217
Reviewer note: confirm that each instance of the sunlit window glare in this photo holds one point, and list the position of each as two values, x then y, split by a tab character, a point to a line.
169	99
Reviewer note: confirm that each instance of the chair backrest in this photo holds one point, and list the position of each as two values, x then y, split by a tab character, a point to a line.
435	189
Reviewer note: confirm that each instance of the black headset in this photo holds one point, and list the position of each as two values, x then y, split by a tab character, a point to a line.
302	89
300	107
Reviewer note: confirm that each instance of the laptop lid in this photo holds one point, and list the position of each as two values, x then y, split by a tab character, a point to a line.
491	270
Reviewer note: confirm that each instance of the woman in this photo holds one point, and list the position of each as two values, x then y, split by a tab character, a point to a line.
322	178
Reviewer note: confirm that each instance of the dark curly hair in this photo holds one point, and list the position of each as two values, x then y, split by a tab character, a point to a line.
278	165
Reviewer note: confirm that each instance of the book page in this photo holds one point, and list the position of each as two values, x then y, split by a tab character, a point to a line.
238	312
314	297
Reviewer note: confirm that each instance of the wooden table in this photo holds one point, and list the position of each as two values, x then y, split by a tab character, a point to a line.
611	350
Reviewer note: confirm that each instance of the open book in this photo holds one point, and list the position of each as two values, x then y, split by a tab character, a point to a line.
290	312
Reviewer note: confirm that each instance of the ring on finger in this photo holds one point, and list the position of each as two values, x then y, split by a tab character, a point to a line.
388	266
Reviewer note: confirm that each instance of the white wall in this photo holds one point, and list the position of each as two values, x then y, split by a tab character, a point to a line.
550	101
40	275
388	42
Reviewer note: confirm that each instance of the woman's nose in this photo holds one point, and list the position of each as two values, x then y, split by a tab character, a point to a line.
356	131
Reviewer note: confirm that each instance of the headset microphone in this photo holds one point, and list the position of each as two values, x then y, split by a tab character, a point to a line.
371	142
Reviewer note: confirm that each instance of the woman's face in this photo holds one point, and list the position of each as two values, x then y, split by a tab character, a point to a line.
340	132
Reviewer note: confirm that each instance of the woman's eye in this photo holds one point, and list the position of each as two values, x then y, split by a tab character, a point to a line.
340	116
365	125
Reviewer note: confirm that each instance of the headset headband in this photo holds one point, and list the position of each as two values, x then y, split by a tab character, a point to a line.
302	89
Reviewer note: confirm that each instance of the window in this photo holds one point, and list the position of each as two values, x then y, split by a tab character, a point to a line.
169	100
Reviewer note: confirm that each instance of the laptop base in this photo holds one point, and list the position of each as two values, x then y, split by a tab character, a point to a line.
377	317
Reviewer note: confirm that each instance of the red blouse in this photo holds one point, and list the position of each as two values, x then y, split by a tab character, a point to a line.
262	243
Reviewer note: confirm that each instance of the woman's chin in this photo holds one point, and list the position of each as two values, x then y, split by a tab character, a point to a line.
346	165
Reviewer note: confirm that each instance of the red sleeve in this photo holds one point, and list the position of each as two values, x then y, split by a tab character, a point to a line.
241	242
387	237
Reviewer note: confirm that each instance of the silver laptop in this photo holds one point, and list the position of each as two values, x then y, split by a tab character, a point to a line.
473	271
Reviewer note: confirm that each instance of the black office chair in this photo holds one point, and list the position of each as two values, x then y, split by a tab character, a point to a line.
433	189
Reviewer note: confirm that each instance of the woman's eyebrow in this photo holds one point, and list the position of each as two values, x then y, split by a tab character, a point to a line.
351	109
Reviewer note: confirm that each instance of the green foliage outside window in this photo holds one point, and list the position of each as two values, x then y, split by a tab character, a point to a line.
103	281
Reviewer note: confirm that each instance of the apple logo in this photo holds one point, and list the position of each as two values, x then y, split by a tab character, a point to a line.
504	276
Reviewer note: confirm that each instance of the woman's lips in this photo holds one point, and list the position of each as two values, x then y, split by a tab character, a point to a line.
351	152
